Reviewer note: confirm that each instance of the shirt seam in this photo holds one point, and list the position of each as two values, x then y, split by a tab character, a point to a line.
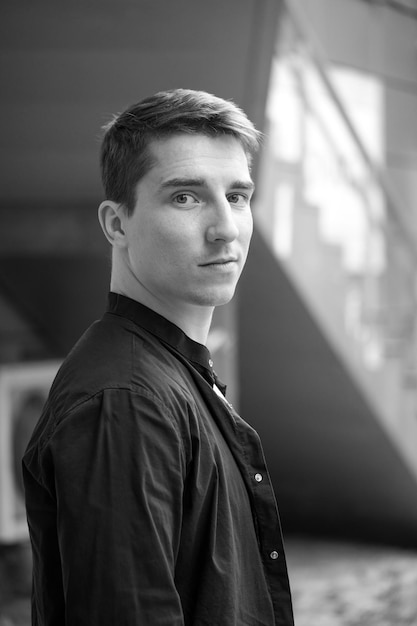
137	391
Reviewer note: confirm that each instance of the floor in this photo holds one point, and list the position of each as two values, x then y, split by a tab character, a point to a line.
336	584
333	584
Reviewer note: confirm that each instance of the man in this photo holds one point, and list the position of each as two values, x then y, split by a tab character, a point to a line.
147	496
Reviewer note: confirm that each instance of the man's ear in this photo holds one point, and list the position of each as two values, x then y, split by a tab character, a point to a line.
110	216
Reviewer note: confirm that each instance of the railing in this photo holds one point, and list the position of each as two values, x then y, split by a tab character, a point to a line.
325	204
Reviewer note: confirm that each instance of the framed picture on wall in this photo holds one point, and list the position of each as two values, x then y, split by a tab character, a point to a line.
23	391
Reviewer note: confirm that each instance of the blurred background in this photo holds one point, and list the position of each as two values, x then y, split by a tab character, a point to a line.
319	346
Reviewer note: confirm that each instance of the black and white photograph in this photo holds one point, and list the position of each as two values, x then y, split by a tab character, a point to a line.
208	313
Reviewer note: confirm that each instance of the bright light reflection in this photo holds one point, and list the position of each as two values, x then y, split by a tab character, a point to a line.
306	127
315	162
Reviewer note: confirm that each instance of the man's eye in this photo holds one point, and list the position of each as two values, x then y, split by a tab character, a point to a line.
185	199
239	199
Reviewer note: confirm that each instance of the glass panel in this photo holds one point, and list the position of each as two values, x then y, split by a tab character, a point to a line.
325	208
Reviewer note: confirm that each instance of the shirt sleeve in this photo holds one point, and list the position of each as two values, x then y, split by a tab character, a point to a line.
118	471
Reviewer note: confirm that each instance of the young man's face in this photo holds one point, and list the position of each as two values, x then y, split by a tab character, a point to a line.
189	234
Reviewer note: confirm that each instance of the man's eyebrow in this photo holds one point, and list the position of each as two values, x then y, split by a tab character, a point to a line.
201	182
184	182
243	184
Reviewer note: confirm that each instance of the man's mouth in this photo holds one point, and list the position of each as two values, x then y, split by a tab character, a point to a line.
221	261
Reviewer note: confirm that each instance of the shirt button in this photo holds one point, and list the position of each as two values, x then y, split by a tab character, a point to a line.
274	555
258	478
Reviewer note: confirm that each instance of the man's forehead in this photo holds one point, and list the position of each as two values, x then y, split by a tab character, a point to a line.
190	155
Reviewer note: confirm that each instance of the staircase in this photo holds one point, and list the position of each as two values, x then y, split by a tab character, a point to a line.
335	391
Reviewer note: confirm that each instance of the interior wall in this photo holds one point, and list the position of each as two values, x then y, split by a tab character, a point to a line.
65	69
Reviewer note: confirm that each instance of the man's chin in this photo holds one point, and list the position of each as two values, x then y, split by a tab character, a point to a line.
216	299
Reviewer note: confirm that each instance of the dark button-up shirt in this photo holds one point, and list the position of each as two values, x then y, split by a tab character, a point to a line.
148	498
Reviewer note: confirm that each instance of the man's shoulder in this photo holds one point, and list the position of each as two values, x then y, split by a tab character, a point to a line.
114	353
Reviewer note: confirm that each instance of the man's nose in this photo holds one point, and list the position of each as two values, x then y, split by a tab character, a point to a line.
222	225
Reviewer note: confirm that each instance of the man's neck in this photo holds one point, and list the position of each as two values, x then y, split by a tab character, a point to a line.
193	320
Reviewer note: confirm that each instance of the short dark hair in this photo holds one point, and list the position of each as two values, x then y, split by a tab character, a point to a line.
125	157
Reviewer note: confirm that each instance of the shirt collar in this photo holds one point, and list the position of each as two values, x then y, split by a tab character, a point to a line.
166	332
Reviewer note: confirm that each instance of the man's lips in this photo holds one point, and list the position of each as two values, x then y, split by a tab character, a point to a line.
221	261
